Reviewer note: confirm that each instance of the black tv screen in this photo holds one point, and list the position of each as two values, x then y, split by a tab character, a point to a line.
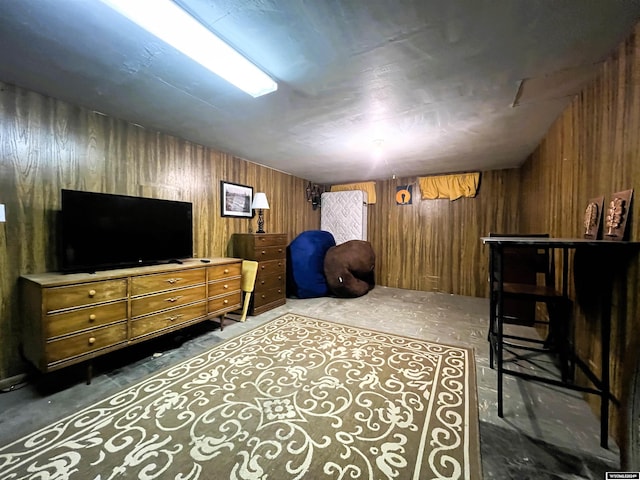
102	231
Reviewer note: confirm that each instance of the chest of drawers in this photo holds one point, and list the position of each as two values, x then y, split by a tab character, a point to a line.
270	251
72	318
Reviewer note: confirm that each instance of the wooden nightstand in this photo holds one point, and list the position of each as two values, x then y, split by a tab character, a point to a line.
270	251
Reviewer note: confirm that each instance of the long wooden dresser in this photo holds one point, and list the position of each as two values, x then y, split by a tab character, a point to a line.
270	251
70	318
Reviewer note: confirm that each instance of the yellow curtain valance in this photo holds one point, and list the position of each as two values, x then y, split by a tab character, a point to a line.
369	187
449	186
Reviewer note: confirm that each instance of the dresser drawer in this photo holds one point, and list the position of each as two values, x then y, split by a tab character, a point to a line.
267	282
226	303
60	298
271	267
270	253
267	296
222	271
224	286
162	301
58	324
167	319
85	342
270	240
159	282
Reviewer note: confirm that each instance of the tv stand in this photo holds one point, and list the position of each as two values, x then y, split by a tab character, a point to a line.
72	318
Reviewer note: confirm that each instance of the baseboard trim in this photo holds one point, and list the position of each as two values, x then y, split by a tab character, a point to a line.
7	383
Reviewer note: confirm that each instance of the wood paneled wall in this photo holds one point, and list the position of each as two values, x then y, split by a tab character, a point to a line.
434	245
47	145
594	149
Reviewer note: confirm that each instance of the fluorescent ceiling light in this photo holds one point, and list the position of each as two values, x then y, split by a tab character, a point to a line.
170	23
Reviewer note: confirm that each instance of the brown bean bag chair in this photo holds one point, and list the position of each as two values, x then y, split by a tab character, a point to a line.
348	268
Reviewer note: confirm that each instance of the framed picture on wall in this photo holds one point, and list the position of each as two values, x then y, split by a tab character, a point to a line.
235	200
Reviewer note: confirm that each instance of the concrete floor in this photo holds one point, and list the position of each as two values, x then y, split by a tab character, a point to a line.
547	432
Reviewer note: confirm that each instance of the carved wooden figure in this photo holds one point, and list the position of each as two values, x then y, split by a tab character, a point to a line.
617	214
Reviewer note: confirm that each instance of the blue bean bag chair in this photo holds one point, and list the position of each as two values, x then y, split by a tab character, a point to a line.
305	264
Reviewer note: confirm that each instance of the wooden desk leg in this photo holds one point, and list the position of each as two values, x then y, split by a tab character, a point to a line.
89	372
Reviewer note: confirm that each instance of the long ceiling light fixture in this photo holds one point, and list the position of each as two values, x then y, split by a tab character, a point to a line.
170	23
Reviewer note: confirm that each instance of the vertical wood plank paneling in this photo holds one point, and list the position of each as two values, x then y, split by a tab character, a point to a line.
47	145
593	149
434	245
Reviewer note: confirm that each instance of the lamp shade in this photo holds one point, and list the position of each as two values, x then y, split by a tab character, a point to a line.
2	215
260	201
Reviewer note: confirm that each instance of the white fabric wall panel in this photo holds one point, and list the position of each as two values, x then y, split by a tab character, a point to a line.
344	214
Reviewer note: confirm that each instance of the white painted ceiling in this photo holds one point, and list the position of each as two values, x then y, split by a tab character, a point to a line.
446	85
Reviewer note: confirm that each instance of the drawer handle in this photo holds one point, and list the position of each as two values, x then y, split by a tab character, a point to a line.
92	340
264	252
279	264
92	317
279	250
174	317
261	282
92	293
261	267
173	280
225	286
279	277
263	296
279	290
174	299
225	301
226	270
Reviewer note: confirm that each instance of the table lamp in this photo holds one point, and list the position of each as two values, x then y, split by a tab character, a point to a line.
260	203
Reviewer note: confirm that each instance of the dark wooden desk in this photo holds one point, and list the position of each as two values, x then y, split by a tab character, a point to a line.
601	386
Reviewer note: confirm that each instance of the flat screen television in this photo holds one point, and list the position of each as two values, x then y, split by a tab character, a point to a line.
101	231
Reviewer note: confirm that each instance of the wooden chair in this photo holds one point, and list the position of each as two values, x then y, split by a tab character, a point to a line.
522	266
247	285
526	276
249	273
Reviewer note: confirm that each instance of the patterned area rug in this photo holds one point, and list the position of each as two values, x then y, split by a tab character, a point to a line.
294	398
